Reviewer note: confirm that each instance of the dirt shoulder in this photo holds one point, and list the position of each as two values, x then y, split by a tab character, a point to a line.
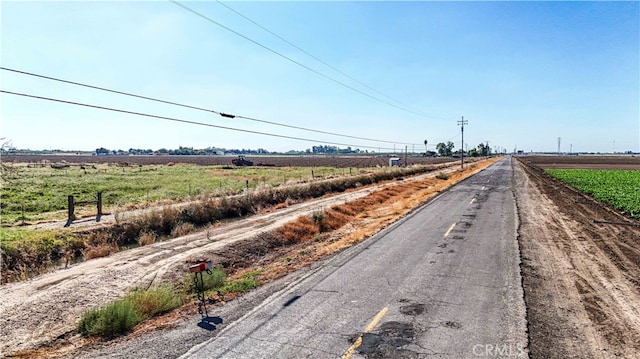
581	279
42	311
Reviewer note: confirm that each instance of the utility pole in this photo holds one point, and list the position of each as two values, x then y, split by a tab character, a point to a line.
462	123
405	157
559	140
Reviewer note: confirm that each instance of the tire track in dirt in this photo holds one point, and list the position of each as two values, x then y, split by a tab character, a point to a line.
580	278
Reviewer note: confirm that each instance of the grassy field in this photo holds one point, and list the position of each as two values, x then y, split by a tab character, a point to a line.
42	192
618	188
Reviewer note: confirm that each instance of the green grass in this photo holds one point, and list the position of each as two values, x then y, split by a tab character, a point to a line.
43	191
247	282
212	281
22	249
617	188
121	316
112	320
217	282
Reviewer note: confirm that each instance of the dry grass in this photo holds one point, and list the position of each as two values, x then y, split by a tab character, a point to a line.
98	251
182	229
99	247
147	238
301	230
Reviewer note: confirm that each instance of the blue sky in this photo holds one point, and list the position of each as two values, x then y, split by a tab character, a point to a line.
522	73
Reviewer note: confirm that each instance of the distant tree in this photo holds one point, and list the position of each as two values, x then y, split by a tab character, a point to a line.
102	151
445	149
484	150
450	147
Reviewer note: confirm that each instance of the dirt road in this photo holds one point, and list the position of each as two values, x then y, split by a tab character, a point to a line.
581	279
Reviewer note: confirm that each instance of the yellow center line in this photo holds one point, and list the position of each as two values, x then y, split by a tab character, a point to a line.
368	329
450	229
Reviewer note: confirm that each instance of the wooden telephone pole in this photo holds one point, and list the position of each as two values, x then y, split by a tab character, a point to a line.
462	123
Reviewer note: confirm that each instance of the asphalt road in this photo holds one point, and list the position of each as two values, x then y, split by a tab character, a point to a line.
444	282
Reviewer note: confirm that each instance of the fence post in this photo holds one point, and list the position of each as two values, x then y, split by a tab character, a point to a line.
99	204
71	216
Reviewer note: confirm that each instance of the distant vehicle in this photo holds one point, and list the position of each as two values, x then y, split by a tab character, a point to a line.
241	161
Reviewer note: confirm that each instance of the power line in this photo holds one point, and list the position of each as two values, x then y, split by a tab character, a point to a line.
294	61
318	59
107	90
199	108
187	121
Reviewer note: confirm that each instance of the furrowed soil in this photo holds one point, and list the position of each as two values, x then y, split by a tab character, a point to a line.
581	279
38	316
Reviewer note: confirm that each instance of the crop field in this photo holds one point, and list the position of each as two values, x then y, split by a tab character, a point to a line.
617	188
599	162
610	179
40	193
361	161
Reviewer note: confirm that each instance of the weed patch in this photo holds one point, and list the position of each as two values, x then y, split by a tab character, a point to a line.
111	320
147	238
121	316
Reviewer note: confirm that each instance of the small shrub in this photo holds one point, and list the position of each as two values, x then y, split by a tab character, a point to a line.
88	321
111	320
334	219
154	301
147	238
300	230
182	229
318	218
212	281
98	251
120	316
442	176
